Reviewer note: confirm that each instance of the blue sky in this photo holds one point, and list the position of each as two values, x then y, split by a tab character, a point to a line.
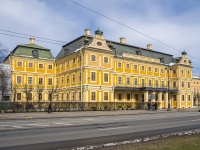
173	22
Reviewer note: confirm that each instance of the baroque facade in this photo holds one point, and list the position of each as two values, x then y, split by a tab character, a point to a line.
95	70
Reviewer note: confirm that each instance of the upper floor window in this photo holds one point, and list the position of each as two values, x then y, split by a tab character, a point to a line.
62	80
19	80
142	68
119	80
105	77
73	78
105	59
188	72
127	66
93	76
135	81
128	81
162	70
149	82
119	64
149	69
49	81
50	67
30	65
174	71
163	85
74	60
68	79
135	67
182	71
19	63
40	81
30	80
156	83
182	83
174	84
188	84
156	69
93	57
40	66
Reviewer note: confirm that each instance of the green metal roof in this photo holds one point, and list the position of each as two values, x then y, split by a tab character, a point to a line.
26	50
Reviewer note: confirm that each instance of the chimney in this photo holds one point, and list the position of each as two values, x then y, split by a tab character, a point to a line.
32	40
122	40
149	46
87	32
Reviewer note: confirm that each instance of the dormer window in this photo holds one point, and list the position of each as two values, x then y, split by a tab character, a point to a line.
162	60
138	52
35	53
65	51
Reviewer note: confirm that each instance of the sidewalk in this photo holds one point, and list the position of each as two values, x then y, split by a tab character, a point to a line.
45	115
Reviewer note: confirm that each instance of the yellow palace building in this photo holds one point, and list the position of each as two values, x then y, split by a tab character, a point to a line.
91	70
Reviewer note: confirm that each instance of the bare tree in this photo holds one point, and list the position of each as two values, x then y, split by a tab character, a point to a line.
52	93
4	83
27	89
196	98
39	90
3	52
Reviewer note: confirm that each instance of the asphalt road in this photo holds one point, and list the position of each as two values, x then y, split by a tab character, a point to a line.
63	133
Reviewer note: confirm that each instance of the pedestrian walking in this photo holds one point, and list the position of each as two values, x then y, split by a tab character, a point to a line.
149	105
50	109
156	106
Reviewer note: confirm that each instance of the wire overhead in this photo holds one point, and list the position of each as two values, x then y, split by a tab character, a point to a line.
128	27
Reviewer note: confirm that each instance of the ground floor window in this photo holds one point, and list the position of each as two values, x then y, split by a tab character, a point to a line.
136	97
19	96
174	97
105	96
119	96
6	98
128	97
40	97
93	96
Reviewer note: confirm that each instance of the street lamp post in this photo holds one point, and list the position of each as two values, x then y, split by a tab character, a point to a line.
169	68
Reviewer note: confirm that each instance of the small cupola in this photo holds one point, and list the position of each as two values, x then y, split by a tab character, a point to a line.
98	32
184	53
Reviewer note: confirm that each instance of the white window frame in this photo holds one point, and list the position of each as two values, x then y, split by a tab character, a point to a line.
104	58
104	77
39	66
19	79
119	80
95	76
30	83
29	65
105	95
93	58
93	96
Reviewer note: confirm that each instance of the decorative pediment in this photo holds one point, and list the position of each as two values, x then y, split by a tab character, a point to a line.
98	41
